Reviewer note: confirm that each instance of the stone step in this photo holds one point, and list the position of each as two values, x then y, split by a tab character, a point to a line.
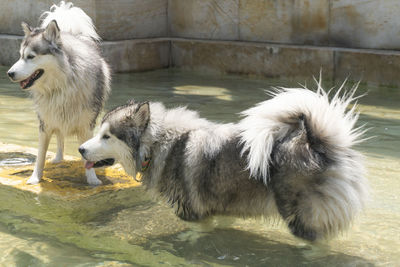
123	56
377	67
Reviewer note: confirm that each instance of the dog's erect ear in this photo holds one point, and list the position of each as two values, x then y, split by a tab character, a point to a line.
135	115
52	32
26	28
131	102
142	115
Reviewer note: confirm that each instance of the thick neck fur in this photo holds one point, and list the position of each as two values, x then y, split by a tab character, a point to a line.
166	127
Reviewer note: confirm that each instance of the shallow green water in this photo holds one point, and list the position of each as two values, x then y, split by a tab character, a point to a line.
149	234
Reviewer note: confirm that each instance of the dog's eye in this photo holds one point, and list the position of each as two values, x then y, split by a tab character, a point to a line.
106	136
30	57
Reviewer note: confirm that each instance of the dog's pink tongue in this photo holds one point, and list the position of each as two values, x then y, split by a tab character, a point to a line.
89	165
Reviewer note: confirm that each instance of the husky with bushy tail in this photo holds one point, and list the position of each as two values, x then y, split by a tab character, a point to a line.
69	81
290	156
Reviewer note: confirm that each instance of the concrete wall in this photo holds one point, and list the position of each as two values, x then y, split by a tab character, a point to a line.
13	12
115	20
264	37
131	19
343	23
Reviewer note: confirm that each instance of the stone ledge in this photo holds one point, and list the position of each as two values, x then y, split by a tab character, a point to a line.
9	51
253	58
123	56
278	60
137	54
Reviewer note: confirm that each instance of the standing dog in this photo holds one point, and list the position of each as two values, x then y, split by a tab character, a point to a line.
69	81
291	155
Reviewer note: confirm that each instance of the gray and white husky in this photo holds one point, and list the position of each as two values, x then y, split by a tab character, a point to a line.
290	156
61	66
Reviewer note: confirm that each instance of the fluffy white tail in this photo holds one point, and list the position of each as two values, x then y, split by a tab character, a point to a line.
306	140
272	119
70	19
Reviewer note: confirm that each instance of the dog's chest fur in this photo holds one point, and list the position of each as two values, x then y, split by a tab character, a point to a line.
63	110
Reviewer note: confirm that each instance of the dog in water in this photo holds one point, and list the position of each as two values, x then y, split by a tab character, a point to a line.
69	81
290	156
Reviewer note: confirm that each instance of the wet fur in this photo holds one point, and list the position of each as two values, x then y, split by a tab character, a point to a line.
289	156
76	81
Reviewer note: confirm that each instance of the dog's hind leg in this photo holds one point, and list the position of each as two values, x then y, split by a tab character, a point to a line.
44	139
293	205
60	148
90	173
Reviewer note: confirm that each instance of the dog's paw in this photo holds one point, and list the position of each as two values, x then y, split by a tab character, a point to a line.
92	178
34	179
94	182
57	160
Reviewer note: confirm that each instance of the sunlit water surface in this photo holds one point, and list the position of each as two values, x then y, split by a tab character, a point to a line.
150	234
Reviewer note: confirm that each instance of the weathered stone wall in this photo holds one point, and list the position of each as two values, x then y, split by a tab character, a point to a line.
131	19
365	23
342	23
114	20
13	12
130	30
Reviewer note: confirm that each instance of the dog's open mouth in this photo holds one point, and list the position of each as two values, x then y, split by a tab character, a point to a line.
98	164
28	82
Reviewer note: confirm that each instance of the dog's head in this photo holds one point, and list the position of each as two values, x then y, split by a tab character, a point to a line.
37	55
119	138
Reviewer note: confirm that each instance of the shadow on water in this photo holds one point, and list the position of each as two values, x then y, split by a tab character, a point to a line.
32	250
219	247
231	247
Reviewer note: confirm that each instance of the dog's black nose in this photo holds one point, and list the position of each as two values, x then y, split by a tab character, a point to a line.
82	150
11	74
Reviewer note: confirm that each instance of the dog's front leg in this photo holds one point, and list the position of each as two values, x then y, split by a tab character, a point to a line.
60	148
90	173
44	139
